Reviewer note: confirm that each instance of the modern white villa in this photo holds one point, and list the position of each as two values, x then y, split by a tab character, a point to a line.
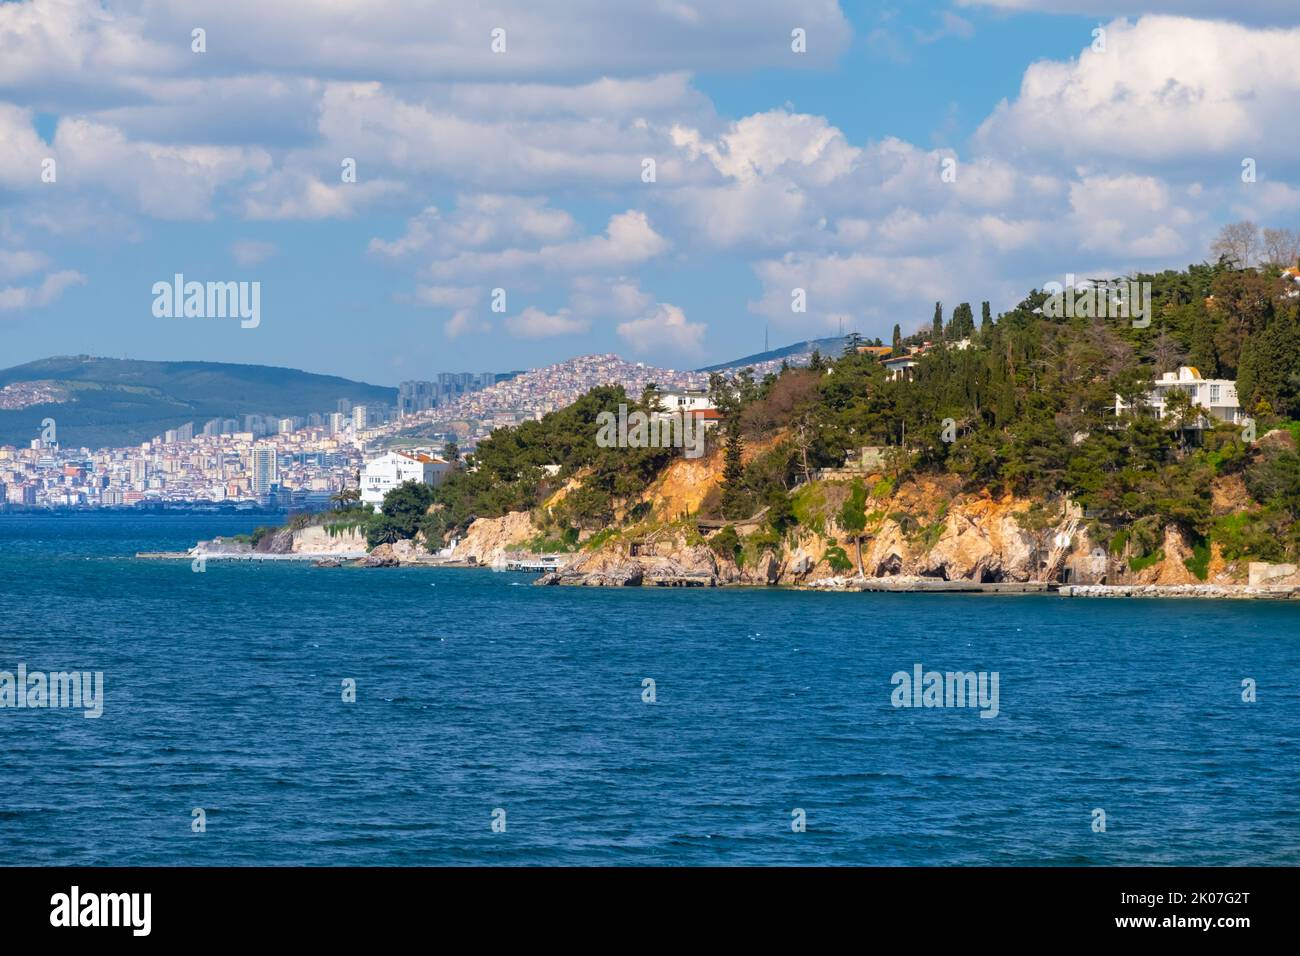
1218	396
684	400
381	475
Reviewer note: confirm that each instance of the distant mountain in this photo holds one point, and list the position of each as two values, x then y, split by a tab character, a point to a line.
830	346
98	402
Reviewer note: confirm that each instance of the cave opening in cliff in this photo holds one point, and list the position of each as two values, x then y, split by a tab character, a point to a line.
891	565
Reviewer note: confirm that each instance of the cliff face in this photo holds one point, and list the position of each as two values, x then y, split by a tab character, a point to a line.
912	534
316	540
487	539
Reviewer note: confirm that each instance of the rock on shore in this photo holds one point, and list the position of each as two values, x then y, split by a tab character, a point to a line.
1223	591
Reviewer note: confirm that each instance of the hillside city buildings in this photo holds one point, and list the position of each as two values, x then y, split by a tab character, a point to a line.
381	475
299	462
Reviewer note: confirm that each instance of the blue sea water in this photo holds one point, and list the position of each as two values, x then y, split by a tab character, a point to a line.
476	692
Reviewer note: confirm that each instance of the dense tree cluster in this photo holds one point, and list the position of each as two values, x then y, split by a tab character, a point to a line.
1024	403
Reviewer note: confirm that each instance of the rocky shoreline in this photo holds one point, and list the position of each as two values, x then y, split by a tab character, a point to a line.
968	543
1217	591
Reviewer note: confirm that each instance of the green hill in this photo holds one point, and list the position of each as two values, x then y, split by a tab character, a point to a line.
112	402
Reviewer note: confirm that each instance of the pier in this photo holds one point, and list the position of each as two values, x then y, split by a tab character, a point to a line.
537	565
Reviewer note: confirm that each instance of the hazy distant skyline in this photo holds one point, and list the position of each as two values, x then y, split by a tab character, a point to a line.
523	170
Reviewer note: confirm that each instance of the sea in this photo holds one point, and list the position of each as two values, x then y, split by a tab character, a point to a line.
284	714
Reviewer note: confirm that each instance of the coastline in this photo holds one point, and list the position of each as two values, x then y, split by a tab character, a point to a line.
898	584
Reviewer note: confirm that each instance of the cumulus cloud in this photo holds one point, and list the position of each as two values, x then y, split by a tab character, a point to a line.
629	240
664	331
1268	12
479	221
1168	90
301	195
534	323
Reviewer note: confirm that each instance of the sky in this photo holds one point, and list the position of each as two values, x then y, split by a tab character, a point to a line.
864	160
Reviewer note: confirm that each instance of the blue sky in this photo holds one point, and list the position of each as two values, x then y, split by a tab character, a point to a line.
522	170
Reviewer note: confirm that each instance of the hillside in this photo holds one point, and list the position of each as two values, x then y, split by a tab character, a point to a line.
1000	458
100	402
799	350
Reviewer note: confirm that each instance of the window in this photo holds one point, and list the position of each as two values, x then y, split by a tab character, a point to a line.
1214	394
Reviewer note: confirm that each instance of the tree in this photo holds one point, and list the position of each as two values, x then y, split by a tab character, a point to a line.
341	499
1270	368
404	508
1281	248
451	451
734	499
963	322
1038	520
897	342
986	317
853	518
1237	244
937	326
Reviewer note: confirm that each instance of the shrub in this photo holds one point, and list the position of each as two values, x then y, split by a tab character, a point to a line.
838	560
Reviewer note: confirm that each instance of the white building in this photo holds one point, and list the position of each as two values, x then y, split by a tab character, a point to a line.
265	469
901	366
1218	396
386	472
684	400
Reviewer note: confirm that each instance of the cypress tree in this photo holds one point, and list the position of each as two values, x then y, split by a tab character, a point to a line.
733	474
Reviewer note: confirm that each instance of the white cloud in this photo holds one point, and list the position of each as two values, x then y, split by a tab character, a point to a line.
534	323
397	39
165	182
664	331
629	240
464	322
479	221
252	252
803	146
31	297
300	195
15	263
1166	90
1277	12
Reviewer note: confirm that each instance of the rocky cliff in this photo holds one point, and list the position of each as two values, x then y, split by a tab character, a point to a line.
928	530
487	539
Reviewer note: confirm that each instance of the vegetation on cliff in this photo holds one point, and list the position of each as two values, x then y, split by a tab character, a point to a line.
1021	405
